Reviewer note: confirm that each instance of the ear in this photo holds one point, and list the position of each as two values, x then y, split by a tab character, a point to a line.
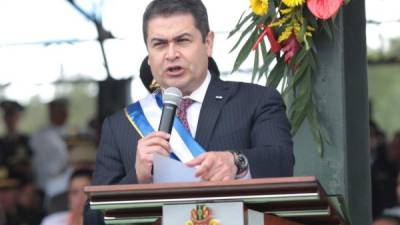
209	42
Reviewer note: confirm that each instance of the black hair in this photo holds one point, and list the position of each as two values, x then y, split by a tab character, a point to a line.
59	103
172	7
81	173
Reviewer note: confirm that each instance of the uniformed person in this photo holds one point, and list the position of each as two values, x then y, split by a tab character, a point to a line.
15	152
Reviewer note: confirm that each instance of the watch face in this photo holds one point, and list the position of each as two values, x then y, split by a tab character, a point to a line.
241	162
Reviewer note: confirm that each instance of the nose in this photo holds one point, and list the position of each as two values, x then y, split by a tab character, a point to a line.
172	52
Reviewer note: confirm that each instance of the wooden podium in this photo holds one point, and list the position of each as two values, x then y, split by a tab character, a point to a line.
283	201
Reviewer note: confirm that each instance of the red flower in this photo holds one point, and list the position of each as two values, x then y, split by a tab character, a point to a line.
324	9
275	47
290	48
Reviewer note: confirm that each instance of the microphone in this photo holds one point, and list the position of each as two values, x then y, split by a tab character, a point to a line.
172	98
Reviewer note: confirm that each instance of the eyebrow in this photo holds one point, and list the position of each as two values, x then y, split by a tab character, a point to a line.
156	39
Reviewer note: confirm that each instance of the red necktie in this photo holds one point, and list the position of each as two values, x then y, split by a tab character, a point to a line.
185	103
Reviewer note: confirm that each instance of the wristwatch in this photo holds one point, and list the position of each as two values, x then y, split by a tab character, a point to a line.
241	163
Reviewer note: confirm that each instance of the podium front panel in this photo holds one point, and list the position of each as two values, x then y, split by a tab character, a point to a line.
218	213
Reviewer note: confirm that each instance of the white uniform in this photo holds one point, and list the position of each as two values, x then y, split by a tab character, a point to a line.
50	160
59	218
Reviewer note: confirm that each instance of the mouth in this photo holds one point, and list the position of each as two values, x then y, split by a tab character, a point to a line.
174	70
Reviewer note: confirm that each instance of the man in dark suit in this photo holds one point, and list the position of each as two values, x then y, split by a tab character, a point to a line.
242	127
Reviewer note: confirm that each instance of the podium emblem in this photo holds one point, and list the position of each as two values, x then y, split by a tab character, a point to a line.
201	215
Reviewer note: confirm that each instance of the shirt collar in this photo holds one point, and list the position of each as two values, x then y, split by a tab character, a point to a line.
199	94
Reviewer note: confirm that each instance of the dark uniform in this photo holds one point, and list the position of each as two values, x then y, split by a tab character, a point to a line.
12	211
15	152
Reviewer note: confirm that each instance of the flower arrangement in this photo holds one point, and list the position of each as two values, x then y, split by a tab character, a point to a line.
290	60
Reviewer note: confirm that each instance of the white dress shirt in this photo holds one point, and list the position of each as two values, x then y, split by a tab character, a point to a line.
193	112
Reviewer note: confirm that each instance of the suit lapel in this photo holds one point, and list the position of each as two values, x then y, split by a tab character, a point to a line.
218	93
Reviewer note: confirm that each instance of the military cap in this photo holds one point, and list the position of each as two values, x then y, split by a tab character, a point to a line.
10	107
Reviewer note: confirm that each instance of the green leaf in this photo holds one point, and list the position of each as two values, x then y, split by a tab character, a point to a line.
303	30
298	112
285	78
267	62
255	66
297	78
263	49
325	136
264	54
244	33
307	83
245	51
300	73
276	74
310	18
303	69
313	48
312	62
247	30
298	57
313	120
240	23
299	101
271	8
327	29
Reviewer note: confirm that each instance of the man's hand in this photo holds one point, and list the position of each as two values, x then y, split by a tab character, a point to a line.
156	142
214	166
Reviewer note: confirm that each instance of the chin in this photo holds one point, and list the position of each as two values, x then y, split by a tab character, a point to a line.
177	84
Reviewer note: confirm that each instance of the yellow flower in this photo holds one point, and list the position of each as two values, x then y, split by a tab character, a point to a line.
293	3
280	22
286	11
259	7
285	34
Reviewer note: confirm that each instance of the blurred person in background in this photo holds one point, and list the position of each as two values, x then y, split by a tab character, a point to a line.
394	150
394	211
383	172
30	200
50	159
76	200
8	197
81	156
387	220
13	212
15	152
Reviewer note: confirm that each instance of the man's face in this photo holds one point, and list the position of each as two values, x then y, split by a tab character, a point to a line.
385	221
58	115
76	196
11	120
178	57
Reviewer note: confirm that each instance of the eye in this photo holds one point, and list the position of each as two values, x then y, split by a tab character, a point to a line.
158	44
183	40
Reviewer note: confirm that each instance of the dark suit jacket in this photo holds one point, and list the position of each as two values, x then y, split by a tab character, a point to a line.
249	118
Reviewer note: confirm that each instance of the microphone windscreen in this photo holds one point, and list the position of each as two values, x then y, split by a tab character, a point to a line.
172	95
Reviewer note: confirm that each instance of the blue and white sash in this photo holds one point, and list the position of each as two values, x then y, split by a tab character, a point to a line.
145	114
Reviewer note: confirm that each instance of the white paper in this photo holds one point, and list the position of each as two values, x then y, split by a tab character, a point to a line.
167	170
